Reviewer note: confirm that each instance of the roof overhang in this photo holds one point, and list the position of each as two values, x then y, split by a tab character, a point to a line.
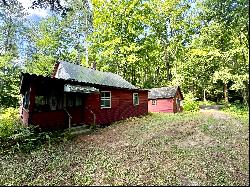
27	79
79	88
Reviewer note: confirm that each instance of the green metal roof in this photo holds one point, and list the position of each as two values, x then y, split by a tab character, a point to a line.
163	92
70	71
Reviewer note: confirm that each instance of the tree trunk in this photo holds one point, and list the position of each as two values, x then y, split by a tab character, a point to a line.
167	63
225	93
245	95
78	52
204	95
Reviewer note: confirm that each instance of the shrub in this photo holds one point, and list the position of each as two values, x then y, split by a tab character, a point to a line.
206	103
190	104
9	122
14	135
236	109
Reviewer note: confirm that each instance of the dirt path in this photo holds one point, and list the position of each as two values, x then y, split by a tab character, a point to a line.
216	114
220	115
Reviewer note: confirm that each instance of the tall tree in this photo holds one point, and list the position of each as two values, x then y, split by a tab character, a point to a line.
229	22
11	24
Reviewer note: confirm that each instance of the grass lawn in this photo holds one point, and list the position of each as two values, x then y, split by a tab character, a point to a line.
203	148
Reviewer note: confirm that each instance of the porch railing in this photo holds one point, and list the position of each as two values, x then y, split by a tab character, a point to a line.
70	117
94	116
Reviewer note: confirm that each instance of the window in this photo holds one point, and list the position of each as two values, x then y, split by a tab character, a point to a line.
48	103
154	102
41	103
105	99
59	102
74	100
135	99
53	102
26	100
78	100
70	101
178	102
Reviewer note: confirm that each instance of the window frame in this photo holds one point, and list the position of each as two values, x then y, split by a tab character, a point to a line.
26	101
78	100
135	104
154	102
106	99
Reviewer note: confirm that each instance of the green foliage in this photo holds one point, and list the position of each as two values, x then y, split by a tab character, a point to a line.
41	65
238	110
9	122
206	103
200	46
190	104
11	27
14	136
9	81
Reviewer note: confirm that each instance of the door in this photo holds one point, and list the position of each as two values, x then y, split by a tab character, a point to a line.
74	106
178	107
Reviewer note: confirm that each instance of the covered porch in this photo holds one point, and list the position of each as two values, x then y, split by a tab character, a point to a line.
54	103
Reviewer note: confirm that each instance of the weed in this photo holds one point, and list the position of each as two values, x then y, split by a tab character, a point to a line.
158	149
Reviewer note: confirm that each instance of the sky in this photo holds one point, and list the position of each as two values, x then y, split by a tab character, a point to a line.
34	14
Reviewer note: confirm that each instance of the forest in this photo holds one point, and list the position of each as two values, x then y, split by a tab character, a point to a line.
200	45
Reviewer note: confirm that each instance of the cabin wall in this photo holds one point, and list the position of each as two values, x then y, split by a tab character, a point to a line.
25	113
24	116
121	107
90	112
178	95
163	105
50	120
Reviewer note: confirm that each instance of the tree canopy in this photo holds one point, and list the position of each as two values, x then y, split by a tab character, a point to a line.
201	46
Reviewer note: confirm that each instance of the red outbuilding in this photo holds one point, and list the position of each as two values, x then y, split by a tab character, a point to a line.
165	99
76	95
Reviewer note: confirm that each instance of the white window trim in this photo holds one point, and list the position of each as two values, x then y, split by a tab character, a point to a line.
134	98
154	102
106	98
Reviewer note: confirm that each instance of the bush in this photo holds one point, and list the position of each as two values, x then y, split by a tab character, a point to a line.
9	122
207	103
237	109
13	134
190	104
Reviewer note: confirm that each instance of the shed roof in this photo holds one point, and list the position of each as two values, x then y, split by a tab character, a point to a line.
70	71
163	92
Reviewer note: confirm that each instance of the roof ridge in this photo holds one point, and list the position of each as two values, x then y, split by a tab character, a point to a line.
86	67
164	87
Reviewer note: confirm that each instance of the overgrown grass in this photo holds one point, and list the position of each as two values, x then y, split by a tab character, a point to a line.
15	137
157	149
207	103
237	110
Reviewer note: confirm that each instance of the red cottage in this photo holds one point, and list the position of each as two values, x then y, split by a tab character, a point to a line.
77	95
165	99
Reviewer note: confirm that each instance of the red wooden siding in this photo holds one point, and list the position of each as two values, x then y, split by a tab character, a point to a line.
163	105
24	116
49	120
121	107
